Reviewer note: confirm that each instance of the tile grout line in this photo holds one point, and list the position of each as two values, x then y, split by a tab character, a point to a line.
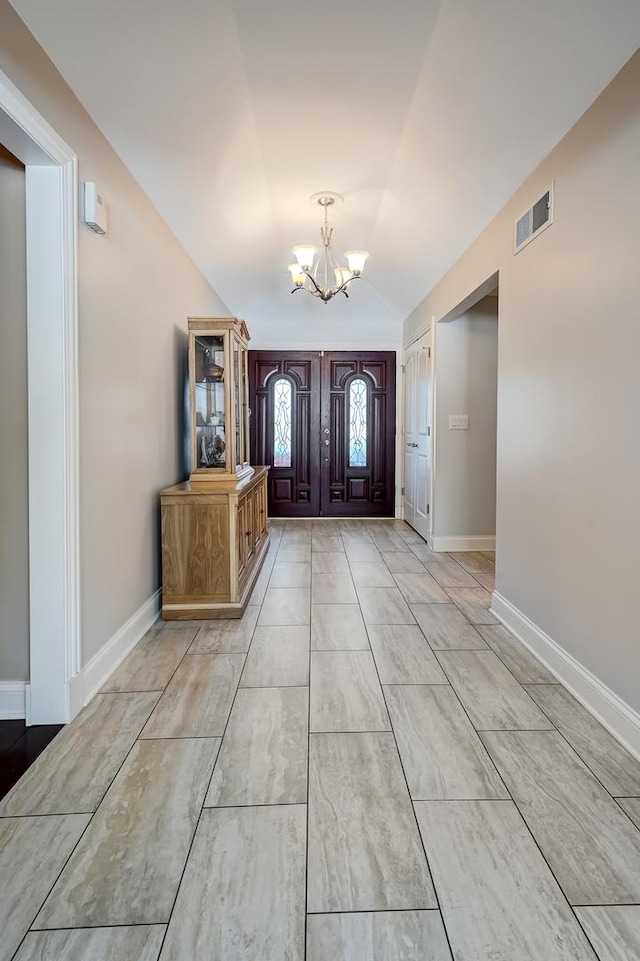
306	852
404	775
413	811
206	791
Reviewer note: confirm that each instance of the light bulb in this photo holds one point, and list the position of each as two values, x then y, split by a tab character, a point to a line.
304	254
356	259
297	275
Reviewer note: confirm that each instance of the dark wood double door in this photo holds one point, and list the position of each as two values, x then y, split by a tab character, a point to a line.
325	423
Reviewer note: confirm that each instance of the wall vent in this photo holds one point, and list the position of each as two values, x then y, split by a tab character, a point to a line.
537	218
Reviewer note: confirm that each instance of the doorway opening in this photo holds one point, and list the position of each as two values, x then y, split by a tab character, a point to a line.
465	425
49	697
324	421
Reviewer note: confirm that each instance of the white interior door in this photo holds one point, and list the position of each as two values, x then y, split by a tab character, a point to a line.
409	430
418	429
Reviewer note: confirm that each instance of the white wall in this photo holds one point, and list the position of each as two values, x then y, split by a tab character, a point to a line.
568	521
14	476
466	375
136	288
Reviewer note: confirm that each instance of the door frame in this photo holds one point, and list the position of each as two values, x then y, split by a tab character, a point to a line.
426	328
51	178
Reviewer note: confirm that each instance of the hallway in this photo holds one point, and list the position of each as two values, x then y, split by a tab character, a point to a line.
432	794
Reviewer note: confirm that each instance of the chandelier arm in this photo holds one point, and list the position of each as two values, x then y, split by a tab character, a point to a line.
319	290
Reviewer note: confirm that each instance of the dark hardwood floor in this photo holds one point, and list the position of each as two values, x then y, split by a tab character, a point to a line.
19	747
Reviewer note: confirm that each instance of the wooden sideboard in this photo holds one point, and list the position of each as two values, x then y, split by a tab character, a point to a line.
214	540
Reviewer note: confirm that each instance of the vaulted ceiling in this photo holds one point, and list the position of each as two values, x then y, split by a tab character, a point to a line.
425	114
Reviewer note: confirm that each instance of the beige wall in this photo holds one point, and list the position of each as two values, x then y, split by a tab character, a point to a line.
466	366
136	288
14	477
568	520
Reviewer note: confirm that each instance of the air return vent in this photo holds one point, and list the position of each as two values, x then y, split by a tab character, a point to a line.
534	220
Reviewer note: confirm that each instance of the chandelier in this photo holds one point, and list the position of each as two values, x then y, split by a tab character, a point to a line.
326	278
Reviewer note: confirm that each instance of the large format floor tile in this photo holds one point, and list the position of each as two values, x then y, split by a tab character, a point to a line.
33	851
329	562
288	574
403	656
346	693
526	668
73	773
285	605
442	755
499	900
592	847
474	602
263	758
631	806
231	636
127	867
338	627
371	574
490	694
138	943
364	849
150	665
198	699
323	542
474	561
614	931
403	563
384	605
242	895
421	588
377	936
446	628
386	539
447	572
279	657
615	767
333	589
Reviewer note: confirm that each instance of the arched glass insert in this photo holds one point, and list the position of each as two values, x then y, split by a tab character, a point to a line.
282	423
358	396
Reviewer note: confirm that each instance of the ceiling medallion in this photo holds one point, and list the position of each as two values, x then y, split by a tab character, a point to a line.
326	278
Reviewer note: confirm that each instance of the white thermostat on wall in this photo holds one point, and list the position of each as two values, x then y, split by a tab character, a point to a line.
95	208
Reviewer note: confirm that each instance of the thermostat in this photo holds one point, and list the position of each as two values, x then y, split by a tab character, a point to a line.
95	209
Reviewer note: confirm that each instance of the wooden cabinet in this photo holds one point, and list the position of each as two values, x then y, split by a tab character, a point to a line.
214	526
214	540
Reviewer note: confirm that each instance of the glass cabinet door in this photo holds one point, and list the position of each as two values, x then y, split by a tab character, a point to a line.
210	408
237	402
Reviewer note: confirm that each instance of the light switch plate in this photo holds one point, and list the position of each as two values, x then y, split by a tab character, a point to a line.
458	422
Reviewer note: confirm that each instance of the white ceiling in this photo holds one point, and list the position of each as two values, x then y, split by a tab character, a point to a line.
425	114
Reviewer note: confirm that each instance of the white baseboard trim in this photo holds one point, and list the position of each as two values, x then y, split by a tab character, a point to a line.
474	542
95	673
13	700
605	705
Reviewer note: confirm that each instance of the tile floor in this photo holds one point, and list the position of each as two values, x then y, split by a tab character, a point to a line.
366	767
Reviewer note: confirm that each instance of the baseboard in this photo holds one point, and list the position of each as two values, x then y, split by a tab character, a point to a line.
13	700
95	673
605	705
473	542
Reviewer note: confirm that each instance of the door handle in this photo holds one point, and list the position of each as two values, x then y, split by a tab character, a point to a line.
412	445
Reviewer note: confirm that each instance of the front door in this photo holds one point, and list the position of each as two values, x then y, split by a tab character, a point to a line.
325	423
